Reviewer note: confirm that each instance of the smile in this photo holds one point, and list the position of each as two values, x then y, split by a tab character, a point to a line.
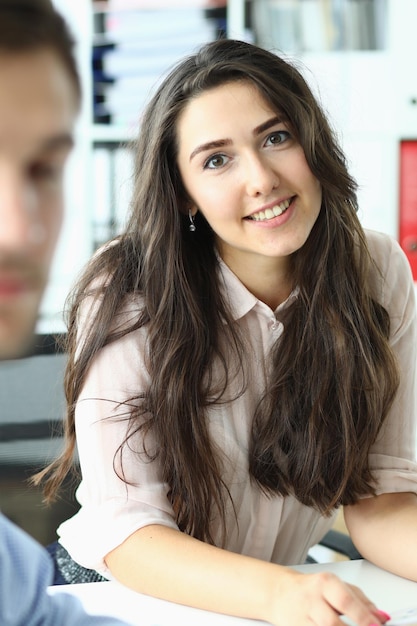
274	211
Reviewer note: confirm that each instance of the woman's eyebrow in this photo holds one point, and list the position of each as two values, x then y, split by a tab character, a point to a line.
273	121
210	145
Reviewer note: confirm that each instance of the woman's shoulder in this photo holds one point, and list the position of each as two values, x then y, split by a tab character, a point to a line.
390	274
380	244
385	251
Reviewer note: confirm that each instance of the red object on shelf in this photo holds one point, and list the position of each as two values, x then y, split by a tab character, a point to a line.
408	202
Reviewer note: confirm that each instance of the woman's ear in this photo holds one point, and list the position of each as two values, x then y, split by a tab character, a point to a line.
190	208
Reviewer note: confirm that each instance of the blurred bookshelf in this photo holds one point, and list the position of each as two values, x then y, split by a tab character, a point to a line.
300	26
136	42
357	55
350	52
134	45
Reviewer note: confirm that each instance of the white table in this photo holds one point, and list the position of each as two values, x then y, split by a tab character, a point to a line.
389	593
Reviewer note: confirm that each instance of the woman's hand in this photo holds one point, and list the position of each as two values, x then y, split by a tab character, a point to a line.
320	600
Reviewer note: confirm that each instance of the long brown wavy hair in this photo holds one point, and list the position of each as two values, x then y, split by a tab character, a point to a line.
332	375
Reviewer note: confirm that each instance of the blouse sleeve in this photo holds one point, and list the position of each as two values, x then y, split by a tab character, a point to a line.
119	493
393	456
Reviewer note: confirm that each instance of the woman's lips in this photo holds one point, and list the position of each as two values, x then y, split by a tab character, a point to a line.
270	213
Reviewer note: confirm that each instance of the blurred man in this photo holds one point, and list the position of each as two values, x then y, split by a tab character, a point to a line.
39	100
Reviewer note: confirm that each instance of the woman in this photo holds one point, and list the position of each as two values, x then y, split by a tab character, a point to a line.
241	359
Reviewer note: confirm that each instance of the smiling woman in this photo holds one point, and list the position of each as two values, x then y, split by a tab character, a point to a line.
235	357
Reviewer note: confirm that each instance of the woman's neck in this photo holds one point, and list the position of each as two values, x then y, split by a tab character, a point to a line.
268	279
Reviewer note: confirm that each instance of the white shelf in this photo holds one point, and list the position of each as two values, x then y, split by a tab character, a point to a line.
111	133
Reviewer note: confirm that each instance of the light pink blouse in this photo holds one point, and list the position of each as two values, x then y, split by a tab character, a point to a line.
275	529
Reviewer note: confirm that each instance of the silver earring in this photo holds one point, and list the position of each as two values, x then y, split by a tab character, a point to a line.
191	226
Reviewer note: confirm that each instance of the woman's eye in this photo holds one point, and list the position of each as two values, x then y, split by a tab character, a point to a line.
277	137
215	162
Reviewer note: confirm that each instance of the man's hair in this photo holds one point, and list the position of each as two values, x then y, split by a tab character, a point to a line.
29	25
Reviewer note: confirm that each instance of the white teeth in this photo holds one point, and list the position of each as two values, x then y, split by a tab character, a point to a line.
268	214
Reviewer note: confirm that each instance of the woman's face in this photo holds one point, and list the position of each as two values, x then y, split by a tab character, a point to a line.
247	175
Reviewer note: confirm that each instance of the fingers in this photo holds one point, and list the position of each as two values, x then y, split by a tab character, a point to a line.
347	600
321	599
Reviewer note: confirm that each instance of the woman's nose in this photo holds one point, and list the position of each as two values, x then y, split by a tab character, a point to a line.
261	177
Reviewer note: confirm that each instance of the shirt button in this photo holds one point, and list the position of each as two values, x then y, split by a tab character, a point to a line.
274	326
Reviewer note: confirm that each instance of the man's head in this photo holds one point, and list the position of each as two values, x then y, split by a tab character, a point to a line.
39	100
